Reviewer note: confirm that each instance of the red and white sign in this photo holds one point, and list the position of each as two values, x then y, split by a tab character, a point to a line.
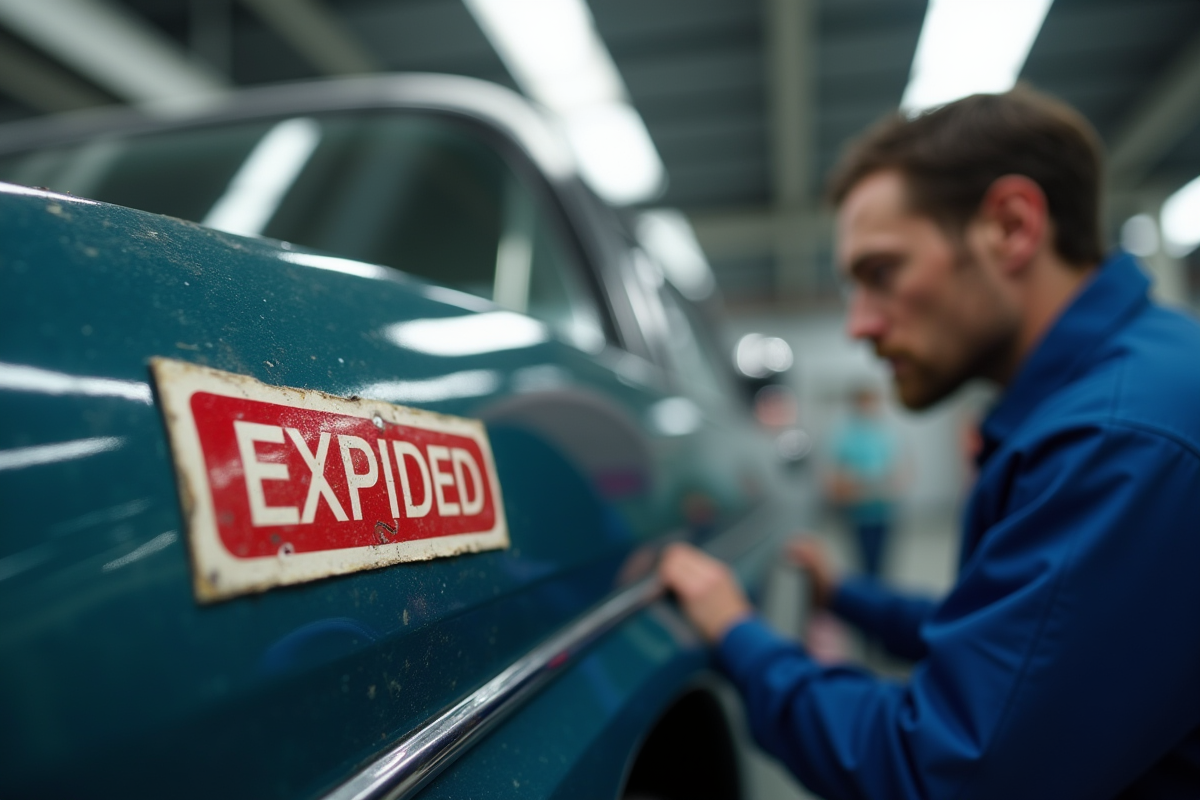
284	485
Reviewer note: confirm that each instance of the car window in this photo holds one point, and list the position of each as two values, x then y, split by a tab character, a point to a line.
693	357
425	194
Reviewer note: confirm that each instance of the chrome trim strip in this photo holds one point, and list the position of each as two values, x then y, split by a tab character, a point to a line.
418	758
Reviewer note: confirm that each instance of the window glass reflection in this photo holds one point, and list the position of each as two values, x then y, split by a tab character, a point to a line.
424	194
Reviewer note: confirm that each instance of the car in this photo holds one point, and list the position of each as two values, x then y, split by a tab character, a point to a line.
211	322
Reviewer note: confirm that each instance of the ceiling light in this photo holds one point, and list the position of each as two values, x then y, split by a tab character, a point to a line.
615	153
758	356
1139	235
1181	220
554	53
552	49
971	46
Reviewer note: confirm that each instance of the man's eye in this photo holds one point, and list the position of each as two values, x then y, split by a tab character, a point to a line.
878	276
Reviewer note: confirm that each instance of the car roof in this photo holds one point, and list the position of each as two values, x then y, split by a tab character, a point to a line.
493	105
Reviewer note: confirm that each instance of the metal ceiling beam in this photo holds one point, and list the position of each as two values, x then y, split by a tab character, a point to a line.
210	33
755	232
791	81
791	78
40	84
115	50
1170	109
745	233
748	233
318	34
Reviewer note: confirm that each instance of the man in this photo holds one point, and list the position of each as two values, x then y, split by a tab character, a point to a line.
1065	661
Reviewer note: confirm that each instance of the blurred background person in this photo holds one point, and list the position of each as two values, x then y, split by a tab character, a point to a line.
864	477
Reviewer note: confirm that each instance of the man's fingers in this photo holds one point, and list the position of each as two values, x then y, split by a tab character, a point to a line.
676	564
687	570
707	590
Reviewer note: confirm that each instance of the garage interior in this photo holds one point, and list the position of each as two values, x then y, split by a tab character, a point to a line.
746	105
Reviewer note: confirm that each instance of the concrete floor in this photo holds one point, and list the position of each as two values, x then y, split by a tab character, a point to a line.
922	556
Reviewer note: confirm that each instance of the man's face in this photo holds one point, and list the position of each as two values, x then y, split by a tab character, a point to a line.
933	308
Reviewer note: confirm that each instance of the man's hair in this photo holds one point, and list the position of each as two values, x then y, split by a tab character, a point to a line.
950	156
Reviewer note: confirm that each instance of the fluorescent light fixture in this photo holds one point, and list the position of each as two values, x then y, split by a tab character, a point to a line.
668	236
1180	220
470	383
758	356
554	53
971	46
20	378
615	153
114	48
552	49
1139	235
472	335
258	187
23	457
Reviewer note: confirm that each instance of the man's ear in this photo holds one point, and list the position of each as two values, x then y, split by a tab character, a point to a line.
1016	217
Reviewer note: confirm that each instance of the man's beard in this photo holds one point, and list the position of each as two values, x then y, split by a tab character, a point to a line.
988	347
923	386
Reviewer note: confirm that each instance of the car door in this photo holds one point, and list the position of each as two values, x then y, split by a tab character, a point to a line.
110	665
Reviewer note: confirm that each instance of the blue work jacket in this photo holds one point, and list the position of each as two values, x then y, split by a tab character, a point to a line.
1065	661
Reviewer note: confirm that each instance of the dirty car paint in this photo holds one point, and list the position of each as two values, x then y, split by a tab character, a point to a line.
113	679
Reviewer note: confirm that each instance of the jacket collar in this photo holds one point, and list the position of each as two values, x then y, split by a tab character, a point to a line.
1116	290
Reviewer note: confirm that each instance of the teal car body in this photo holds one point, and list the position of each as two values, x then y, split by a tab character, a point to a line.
115	681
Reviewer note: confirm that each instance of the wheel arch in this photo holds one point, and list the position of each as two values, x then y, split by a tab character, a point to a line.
692	751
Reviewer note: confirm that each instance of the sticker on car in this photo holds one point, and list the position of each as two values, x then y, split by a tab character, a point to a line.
282	485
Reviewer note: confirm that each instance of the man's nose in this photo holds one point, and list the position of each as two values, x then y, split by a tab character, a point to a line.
863	317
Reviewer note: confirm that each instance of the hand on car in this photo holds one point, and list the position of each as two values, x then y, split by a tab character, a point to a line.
707	590
810	556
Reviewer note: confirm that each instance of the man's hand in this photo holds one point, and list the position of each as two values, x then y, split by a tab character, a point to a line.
809	555
707	590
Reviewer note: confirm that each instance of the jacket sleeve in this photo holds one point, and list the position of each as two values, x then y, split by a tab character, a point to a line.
1063	663
892	617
